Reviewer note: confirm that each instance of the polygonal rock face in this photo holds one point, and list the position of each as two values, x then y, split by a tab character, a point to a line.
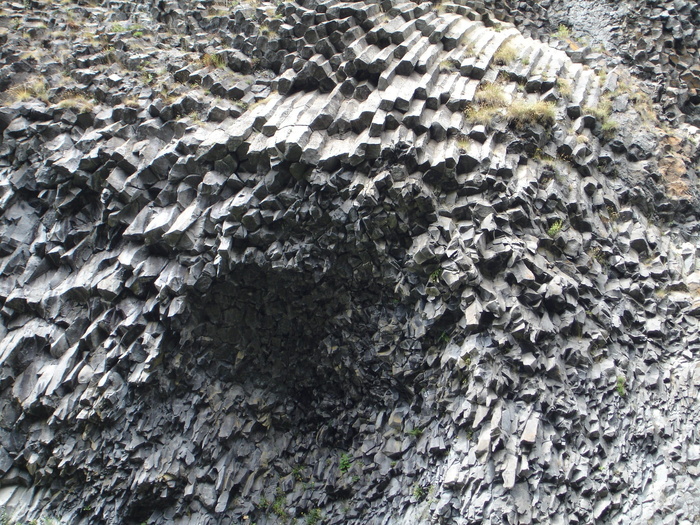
412	269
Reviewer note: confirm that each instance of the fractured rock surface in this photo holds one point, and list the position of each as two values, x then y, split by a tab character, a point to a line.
272	263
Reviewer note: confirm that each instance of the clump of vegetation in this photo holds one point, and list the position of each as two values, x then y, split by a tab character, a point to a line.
463	142
416	432
488	101
483	115
490	95
279	506
298	472
603	113
643	104
602	110
562	32
313	517
131	102
555	228
522	113
79	103
448	66
209	60
117	28
609	128
564	87
345	462
418	491
36	88
505	55
620	386
266	30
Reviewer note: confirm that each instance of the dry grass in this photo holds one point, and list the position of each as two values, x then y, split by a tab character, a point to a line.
505	55
463	142
35	88
216	61
79	103
131	102
488	102
521	113
609	128
673	169
564	87
449	66
482	115
602	112
490	95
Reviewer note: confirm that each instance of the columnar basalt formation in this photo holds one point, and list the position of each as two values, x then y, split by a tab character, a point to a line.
338	262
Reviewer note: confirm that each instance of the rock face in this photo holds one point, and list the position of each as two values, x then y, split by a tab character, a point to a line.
658	40
362	262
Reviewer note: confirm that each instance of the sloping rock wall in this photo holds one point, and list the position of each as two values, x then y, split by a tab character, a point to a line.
281	268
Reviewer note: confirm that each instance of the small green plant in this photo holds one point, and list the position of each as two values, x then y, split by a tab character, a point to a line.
313	517
117	28
278	507
418	491
298	472
416	432
620	386
345	462
555	228
138	34
562	32
435	276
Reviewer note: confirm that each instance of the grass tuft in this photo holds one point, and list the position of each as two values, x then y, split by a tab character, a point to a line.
505	55
564	87
490	95
216	61
522	113
78	103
